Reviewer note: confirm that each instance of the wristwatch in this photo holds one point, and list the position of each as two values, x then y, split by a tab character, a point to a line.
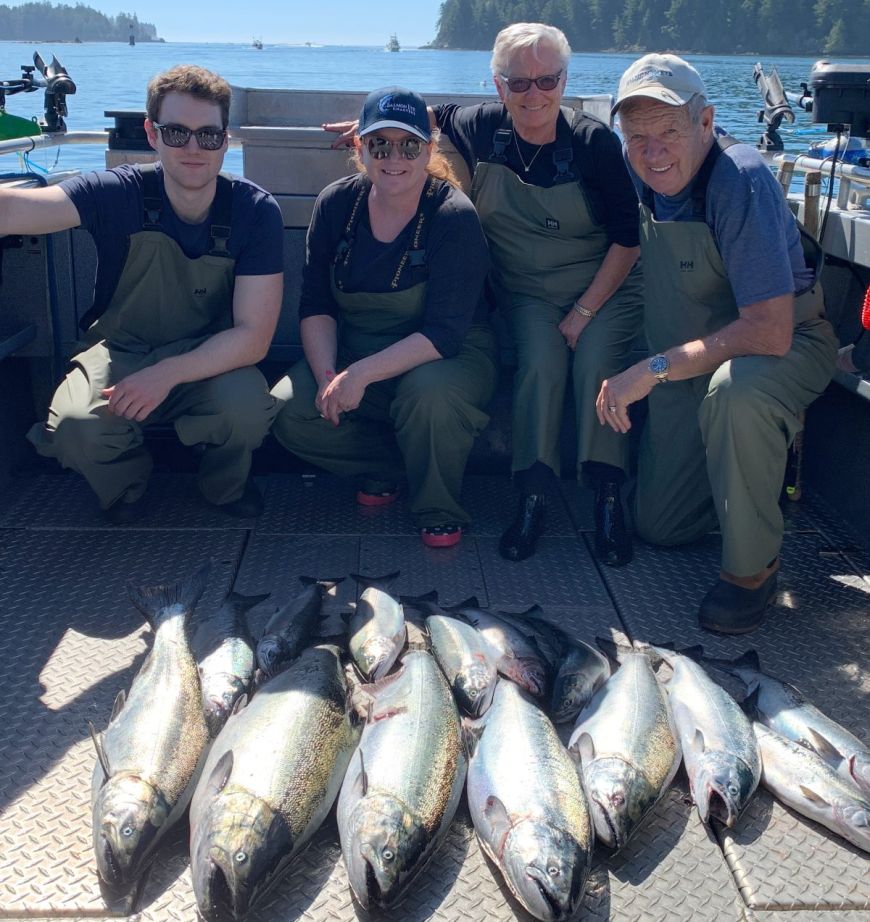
659	366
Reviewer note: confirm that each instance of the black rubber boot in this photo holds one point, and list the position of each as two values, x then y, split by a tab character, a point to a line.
521	538
730	609
612	540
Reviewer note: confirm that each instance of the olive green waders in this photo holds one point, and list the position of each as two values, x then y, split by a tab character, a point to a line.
421	424
546	249
714	447
165	304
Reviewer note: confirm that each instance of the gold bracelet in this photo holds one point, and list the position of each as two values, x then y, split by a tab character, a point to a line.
583	311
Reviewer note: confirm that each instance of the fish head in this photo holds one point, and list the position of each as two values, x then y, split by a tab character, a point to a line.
219	696
376	656
571	692
852	816
271	653
619	796
128	813
387	842
235	850
546	868
722	786
528	673
474	689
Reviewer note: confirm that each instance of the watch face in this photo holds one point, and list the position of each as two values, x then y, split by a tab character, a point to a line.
659	365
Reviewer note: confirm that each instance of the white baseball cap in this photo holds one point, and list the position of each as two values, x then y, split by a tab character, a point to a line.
664	77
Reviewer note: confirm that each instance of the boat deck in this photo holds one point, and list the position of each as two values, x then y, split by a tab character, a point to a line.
70	640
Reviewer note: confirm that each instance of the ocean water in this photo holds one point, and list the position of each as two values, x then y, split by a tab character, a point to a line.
113	76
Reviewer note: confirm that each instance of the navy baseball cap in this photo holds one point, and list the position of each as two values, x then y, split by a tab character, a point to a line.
395	107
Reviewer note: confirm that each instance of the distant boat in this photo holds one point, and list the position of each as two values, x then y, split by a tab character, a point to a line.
258	44
393	44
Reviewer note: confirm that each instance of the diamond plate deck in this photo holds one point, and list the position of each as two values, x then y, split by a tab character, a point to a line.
70	640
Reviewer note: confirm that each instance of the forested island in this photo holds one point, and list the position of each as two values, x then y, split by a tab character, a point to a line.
804	27
45	22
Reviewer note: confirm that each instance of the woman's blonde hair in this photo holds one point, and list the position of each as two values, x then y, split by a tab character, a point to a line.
439	166
519	35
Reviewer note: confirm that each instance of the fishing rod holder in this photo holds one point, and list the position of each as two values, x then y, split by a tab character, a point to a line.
776	108
58	85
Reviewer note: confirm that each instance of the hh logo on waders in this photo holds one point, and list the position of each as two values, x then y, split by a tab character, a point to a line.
200	291
687	265
552	224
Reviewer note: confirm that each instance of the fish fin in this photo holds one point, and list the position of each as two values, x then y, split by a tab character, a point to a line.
152	600
697	743
243	603
380	582
220	775
417	635
101	753
613	648
347	613
750	703
118	706
472	731
470	602
824	747
695	652
747	660
240	705
812	796
498	818
583	745
360	785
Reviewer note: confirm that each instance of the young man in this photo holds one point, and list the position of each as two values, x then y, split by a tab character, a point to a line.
187	296
734	318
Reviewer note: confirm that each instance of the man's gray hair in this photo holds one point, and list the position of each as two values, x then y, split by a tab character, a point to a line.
532	35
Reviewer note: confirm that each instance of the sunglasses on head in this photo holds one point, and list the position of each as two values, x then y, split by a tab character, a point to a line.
523	84
179	135
379	148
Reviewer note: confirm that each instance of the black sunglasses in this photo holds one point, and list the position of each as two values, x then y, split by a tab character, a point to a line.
379	148
179	135
523	84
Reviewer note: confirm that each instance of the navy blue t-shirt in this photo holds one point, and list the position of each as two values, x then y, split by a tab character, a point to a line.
457	261
753	227
597	162
110	204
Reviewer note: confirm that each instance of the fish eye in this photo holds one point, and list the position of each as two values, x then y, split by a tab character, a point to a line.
473	693
618	800
553	871
387	854
733	790
127	831
240	857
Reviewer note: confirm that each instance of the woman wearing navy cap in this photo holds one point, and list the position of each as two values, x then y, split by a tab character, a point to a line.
399	359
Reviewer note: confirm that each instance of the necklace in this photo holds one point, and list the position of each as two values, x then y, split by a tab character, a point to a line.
526	166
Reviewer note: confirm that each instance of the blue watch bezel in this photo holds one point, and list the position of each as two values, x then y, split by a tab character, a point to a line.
659	366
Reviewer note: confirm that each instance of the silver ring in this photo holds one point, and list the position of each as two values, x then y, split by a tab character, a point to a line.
612	409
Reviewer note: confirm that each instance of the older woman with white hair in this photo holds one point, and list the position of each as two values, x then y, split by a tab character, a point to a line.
560	214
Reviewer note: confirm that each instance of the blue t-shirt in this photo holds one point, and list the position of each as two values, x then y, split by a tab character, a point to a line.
110	204
754	229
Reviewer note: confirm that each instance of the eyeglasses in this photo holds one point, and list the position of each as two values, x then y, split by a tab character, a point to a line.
524	84
179	135
379	148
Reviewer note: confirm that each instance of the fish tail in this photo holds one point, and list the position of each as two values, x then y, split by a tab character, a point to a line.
379	582
747	660
152	601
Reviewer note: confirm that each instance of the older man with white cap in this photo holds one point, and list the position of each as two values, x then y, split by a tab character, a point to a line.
734	319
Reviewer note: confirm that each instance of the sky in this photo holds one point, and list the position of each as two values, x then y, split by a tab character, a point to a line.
325	22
